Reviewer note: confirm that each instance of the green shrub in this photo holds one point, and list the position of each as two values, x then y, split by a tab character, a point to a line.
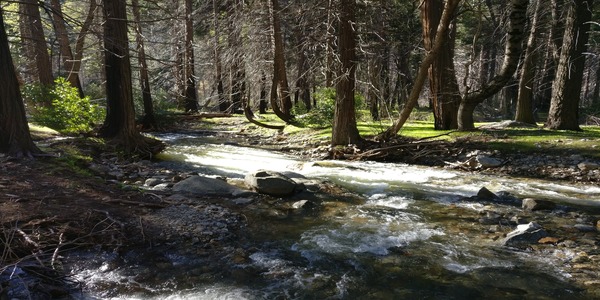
68	113
322	114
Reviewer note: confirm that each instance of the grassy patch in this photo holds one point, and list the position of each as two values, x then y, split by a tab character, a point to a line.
39	132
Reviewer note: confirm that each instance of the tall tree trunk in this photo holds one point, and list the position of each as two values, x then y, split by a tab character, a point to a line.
430	56
281	108
552	55
345	130
38	40
148	121
512	53
596	93
223	105
302	86
525	97
445	95
15	139
330	41
66	53
262	104
119	125
191	98
374	95
566	89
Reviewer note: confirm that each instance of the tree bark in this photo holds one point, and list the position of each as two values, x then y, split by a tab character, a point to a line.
262	101
42	58
413	98
302	86
223	104
284	107
345	130
553	44
374	96
566	88
148	121
66	53
512	53
443	85
191	98
119	124
525	97
15	139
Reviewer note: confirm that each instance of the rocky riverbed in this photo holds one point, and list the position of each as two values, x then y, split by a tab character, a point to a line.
133	207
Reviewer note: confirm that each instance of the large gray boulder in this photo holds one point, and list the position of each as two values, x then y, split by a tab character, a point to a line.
271	183
200	185
525	235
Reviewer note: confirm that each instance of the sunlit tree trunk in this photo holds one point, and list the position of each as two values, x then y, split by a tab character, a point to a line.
411	102
15	139
39	47
282	107
528	69
345	129
66	53
443	85
512	53
552	53
566	89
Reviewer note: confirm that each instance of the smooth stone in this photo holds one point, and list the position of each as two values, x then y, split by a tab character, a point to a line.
201	185
530	204
524	235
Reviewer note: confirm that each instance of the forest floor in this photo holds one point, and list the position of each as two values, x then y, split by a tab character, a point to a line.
49	206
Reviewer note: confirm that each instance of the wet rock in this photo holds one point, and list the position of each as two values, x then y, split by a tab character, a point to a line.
486	195
585	228
243	201
530	204
201	185
525	235
271	183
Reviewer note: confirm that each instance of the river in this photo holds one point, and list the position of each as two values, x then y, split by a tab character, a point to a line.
408	238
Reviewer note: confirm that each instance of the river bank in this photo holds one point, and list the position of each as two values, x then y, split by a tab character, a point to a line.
49	211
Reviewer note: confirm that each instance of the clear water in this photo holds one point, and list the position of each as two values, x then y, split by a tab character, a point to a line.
406	240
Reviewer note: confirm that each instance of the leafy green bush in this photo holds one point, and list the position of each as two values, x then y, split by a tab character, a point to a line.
68	113
322	114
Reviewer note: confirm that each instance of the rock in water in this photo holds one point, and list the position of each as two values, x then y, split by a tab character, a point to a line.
525	235
271	183
486	195
531	204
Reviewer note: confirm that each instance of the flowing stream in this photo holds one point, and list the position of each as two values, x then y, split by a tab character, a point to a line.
409	237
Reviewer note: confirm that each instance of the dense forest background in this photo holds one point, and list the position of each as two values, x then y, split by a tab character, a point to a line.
532	61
